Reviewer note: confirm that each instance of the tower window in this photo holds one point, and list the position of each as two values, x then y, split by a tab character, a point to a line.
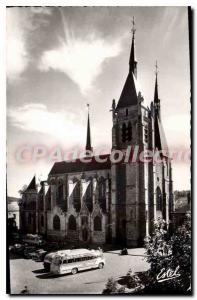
127	112
124	132
129	132
146	134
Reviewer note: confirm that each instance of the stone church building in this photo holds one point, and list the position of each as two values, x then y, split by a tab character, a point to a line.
108	202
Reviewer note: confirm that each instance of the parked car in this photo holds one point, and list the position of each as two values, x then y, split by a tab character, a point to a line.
29	251
34	239
18	249
39	255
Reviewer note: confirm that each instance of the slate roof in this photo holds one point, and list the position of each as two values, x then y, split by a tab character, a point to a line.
32	185
79	166
160	138
128	96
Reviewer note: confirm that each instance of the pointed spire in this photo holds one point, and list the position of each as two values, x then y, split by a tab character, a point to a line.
132	60
156	98
88	140
32	185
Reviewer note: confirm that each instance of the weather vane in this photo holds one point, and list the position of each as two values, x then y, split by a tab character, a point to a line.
133	30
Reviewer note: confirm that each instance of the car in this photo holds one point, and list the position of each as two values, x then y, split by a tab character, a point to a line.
33	239
18	249
29	251
39	255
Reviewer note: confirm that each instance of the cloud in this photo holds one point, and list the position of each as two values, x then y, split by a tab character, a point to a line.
176	136
82	59
36	118
22	23
17	58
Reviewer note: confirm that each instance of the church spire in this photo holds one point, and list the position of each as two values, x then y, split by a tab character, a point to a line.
132	60
156	97
88	140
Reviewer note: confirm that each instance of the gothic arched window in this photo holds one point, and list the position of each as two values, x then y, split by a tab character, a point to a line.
102	189
72	225
159	199
56	223
60	193
76	197
129	132
97	223
48	199
89	196
124	132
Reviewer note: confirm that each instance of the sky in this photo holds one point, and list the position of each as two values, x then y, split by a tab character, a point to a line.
61	58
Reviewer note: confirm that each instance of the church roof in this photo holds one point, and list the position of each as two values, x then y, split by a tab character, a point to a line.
79	166
160	138
32	185
128	96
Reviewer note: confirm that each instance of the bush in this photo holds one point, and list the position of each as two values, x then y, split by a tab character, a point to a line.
111	287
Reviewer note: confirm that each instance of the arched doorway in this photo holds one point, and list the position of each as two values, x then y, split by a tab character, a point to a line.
56	223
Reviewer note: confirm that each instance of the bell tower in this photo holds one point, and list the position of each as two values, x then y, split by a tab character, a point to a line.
127	177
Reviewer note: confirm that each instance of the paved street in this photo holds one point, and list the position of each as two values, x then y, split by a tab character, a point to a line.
30	273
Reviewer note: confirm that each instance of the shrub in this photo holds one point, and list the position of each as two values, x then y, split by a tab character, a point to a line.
111	287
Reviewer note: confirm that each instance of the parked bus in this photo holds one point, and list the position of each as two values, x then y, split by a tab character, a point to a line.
77	260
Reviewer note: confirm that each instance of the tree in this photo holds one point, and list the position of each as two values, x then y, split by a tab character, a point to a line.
166	253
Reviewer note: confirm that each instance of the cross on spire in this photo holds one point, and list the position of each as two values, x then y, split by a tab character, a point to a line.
132	60
133	30
156	98
156	68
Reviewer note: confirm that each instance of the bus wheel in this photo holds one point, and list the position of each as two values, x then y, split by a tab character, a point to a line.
74	271
101	265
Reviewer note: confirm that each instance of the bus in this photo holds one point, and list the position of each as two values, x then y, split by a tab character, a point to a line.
77	260
49	257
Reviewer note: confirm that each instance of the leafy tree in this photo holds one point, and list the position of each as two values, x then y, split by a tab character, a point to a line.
166	253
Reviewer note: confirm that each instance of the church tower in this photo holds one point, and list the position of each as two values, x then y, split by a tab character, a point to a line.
130	129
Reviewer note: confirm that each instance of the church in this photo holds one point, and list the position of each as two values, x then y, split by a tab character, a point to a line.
108	203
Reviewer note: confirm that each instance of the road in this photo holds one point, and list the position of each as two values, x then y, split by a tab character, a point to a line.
27	272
